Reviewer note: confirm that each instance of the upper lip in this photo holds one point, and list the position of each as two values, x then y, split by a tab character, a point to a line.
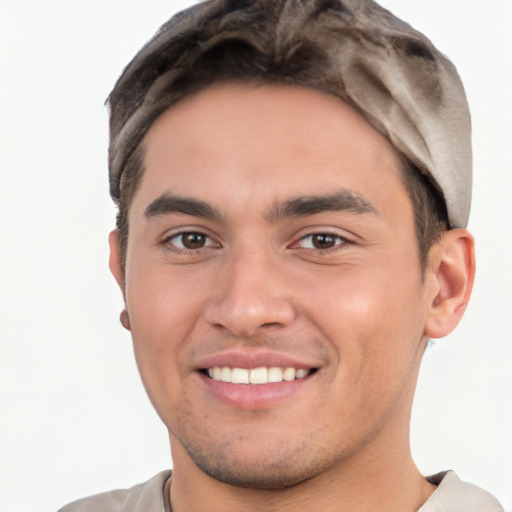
255	359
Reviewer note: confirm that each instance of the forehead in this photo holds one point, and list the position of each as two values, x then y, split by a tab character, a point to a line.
242	143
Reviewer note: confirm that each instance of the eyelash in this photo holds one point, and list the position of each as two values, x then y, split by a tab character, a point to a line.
168	241
339	242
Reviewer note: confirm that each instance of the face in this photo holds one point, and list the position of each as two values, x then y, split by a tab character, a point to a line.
273	285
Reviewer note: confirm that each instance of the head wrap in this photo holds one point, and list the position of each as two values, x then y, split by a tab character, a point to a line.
407	89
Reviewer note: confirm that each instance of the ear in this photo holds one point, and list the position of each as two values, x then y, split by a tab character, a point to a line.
451	272
114	261
116	267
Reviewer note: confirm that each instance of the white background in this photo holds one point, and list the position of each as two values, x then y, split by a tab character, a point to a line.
74	416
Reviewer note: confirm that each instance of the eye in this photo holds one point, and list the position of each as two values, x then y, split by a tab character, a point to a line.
320	241
191	240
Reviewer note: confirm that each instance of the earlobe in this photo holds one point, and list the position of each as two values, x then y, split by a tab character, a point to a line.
124	318
451	273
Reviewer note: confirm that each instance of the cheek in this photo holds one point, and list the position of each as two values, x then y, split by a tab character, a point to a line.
371	297
163	312
161	300
374	319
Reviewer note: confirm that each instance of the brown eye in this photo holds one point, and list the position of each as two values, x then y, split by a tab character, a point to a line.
323	241
193	240
190	241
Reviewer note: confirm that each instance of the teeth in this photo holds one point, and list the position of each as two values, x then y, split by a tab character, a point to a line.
225	374
289	374
275	374
260	375
239	376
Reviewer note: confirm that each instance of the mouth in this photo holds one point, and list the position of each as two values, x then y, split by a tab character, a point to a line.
256	379
256	376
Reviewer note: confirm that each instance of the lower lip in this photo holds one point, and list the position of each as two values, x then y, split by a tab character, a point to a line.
253	396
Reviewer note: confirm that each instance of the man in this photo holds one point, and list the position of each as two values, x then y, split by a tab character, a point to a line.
293	182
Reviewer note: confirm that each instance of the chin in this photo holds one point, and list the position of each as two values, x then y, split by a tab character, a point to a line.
267	478
263	470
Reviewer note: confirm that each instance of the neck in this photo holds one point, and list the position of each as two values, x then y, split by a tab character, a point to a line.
384	479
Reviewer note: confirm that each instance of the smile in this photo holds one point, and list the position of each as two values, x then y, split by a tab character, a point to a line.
261	375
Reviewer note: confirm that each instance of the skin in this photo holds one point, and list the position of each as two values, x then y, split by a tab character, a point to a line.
355	306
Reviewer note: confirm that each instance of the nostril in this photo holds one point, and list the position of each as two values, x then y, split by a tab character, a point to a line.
271	324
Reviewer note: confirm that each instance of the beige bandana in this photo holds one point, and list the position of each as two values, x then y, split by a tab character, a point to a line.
405	87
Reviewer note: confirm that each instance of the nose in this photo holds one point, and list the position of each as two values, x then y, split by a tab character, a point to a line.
252	294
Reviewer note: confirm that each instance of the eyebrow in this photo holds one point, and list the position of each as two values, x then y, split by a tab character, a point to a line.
344	200
168	204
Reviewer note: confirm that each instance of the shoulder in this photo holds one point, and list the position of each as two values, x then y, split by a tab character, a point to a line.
145	497
454	495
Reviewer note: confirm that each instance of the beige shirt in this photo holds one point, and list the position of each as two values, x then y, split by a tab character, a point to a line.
451	495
